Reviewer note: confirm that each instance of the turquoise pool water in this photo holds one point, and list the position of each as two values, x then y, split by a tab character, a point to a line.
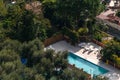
87	66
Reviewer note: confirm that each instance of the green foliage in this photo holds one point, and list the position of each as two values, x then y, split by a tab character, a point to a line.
21	33
76	10
48	1
11	44
41	65
94	28
39	77
118	61
71	13
100	78
10	64
12	76
32	51
112	52
98	32
118	14
73	35
18	23
7	55
83	31
115	59
3	10
41	28
21	24
98	36
69	74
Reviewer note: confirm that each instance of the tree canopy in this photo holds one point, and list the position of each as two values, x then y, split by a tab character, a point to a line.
73	11
22	33
112	52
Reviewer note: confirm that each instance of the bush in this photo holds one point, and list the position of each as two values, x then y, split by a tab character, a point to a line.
115	59
83	31
98	36
72	34
112	52
118	14
118	61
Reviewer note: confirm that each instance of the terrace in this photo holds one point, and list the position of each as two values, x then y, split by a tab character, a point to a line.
90	52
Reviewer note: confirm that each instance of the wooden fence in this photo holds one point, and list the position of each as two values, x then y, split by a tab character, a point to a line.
98	43
53	39
60	37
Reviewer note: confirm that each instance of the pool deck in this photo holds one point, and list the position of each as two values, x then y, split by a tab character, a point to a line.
113	74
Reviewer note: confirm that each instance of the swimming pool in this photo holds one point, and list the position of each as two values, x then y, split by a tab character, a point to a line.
87	66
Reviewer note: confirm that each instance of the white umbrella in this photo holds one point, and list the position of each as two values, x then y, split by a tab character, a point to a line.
87	48
111	4
91	47
96	49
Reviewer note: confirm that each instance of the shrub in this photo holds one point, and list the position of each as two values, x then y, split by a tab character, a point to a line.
118	61
97	36
72	34
83	31
112	52
118	14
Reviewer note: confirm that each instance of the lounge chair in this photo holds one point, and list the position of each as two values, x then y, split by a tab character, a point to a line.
90	51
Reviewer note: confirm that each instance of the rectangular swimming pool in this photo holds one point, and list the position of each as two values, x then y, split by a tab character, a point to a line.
87	66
